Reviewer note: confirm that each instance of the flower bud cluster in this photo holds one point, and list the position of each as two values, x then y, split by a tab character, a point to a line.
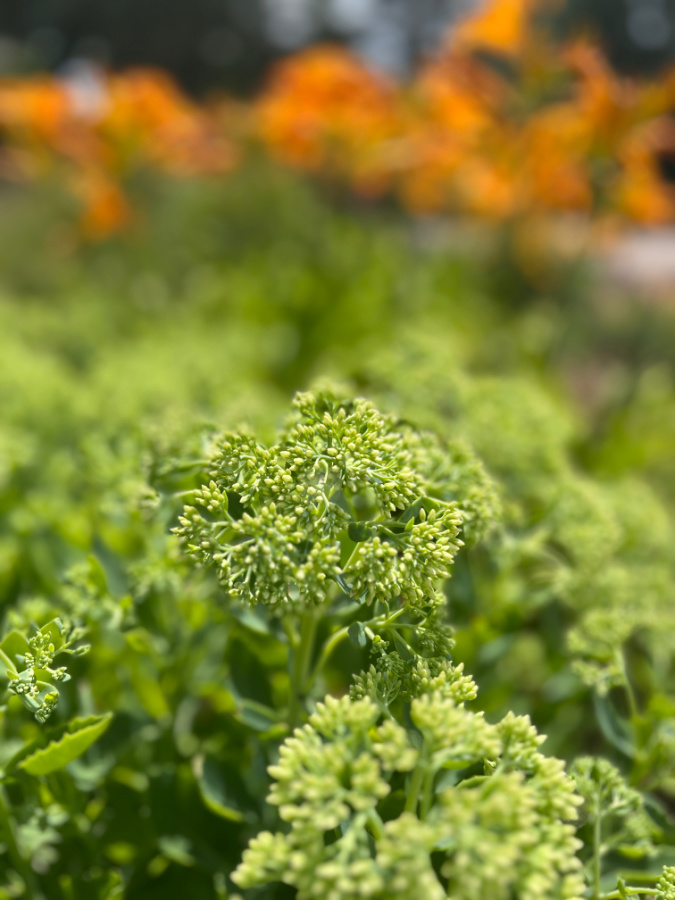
34	681
604	788
346	497
413	564
504	834
414	676
452	733
666	883
461	476
504	843
362	448
608	797
435	676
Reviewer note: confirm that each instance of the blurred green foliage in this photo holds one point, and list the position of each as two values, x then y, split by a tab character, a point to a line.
119	364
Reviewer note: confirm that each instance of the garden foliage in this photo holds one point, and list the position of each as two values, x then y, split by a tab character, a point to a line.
312	651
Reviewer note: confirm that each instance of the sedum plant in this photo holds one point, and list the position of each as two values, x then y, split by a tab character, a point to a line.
347	498
149	777
446	805
356	516
350	515
30	664
308	657
349	527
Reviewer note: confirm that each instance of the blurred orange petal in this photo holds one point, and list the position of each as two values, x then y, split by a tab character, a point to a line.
106	208
501	26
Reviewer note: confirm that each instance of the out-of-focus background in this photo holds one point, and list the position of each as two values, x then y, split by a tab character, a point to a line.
230	44
464	209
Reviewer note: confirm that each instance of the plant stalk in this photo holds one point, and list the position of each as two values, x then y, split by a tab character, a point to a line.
302	658
415	785
597	859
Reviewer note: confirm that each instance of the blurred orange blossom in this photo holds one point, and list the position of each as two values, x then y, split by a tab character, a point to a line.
500	123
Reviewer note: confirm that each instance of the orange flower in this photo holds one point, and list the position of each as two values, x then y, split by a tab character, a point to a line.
35	109
106	210
545	130
148	117
555	144
640	192
503	26
324	109
142	119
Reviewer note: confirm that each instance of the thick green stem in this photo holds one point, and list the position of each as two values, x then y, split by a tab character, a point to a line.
329	646
630	693
375	824
302	658
427	793
415	785
597	857
635	892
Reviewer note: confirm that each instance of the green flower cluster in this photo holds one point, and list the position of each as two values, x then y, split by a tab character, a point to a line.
30	670
452	466
600	547
448	806
347	498
666	883
616	811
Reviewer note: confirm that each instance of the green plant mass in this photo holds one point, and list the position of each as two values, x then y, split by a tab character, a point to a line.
306	544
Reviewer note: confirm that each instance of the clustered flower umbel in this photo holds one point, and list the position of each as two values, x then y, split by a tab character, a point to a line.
666	884
37	695
619	808
345	497
501	834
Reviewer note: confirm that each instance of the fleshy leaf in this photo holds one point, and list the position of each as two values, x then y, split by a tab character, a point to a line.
81	734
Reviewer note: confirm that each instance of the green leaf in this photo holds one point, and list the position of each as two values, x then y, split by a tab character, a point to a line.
80	736
431	503
97	574
234	505
359	531
54	631
148	689
357	634
214	792
256	715
113	888
411	513
253	619
632	851
617	730
141	641
622	889
15	644
177	848
339	499
342	584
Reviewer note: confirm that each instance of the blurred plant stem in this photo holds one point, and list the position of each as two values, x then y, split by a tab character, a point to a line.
303	651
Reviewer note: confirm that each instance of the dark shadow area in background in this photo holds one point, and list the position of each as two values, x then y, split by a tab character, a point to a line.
229	44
